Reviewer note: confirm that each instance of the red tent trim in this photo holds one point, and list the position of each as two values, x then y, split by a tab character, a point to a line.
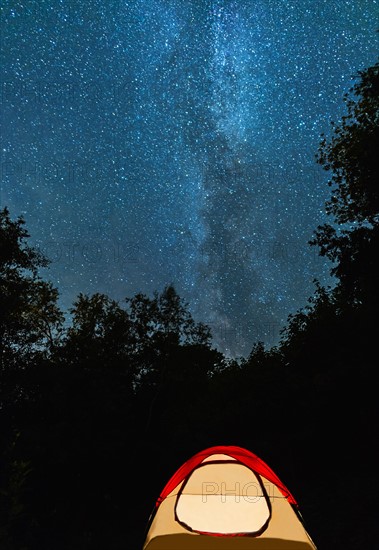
241	455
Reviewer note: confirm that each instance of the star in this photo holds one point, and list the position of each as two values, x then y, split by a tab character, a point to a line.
155	141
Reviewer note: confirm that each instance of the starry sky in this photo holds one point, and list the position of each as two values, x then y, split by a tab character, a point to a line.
151	142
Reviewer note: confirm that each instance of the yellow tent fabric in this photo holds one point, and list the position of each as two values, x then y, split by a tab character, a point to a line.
223	504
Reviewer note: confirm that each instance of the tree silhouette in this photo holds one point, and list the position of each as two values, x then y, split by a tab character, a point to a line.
328	347
30	319
351	157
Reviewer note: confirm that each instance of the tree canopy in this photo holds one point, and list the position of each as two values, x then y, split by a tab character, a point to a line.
351	240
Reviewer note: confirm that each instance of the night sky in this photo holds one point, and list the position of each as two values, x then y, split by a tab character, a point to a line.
151	142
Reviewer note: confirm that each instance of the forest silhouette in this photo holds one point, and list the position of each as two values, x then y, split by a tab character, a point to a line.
95	417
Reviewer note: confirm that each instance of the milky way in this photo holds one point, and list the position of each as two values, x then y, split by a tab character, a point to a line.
165	141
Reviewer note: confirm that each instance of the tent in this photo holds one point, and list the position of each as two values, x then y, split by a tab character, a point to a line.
226	498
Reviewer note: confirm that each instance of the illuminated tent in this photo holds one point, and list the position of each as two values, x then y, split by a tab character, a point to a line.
226	498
